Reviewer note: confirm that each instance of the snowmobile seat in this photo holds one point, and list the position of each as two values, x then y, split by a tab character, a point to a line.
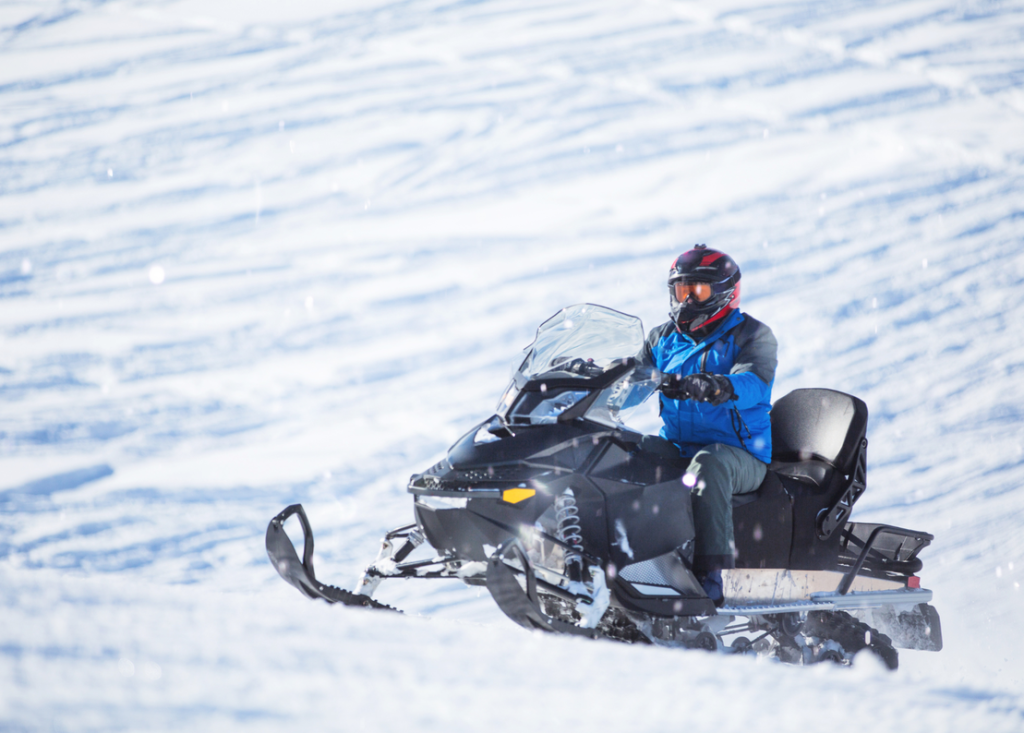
819	453
816	474
818	425
763	525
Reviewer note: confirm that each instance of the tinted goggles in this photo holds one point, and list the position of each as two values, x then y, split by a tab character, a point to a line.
699	292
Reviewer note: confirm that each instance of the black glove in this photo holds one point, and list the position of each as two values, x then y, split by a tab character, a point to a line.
583	367
713	388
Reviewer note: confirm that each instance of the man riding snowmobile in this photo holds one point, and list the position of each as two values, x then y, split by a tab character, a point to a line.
577	523
717	366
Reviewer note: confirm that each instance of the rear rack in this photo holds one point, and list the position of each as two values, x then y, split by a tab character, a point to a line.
883	550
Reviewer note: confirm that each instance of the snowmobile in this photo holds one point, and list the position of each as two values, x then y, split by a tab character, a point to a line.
578	524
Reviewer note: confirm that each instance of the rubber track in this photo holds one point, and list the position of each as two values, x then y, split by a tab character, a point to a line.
850	633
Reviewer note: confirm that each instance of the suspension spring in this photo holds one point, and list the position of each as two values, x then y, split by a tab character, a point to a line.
567	516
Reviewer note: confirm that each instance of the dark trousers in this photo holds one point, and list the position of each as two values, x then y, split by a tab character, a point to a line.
716	473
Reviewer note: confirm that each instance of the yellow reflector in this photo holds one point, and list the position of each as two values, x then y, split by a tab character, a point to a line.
514	496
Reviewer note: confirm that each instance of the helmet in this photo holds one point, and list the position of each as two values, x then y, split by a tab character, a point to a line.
704	286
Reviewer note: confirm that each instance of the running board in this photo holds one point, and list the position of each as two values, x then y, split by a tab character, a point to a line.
771	586
834	601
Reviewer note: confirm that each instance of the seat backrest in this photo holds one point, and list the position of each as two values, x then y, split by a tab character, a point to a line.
819	424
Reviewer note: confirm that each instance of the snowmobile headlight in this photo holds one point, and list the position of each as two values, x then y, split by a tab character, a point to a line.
544	411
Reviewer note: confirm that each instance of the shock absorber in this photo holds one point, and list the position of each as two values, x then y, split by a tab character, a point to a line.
567	516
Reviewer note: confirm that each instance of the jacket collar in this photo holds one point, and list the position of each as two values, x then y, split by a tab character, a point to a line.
726	325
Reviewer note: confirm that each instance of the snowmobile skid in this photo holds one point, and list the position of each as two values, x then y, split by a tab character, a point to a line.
577	524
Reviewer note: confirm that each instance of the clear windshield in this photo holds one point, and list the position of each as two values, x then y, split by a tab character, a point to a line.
596	334
584	341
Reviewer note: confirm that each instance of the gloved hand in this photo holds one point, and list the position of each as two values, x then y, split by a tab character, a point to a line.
583	367
713	388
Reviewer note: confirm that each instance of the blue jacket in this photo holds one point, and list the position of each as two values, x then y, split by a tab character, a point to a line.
743	349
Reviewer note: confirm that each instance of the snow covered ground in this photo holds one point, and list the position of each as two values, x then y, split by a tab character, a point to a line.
259	253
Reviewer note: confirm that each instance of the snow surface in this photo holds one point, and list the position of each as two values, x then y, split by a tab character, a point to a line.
259	253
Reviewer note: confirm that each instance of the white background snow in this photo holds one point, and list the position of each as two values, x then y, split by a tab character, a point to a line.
254	254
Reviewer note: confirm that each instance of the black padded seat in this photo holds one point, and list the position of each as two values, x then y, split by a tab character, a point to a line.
818	444
818	450
741	499
816	474
820	425
763	525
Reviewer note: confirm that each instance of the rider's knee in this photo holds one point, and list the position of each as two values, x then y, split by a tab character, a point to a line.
708	469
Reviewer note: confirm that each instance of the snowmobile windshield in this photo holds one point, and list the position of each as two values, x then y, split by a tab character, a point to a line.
599	336
581	342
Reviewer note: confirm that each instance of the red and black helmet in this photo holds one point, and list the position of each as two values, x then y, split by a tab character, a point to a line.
704	286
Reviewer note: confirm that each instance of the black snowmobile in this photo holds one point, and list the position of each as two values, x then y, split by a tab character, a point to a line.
577	524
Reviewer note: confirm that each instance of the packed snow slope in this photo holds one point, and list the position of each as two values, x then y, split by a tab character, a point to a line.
254	254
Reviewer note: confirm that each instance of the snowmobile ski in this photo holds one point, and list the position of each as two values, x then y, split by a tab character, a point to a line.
299	573
521	602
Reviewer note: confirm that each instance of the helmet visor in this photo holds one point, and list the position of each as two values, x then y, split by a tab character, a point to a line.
698	291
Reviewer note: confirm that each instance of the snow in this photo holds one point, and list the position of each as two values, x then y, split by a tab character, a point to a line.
255	254
592	613
621	540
